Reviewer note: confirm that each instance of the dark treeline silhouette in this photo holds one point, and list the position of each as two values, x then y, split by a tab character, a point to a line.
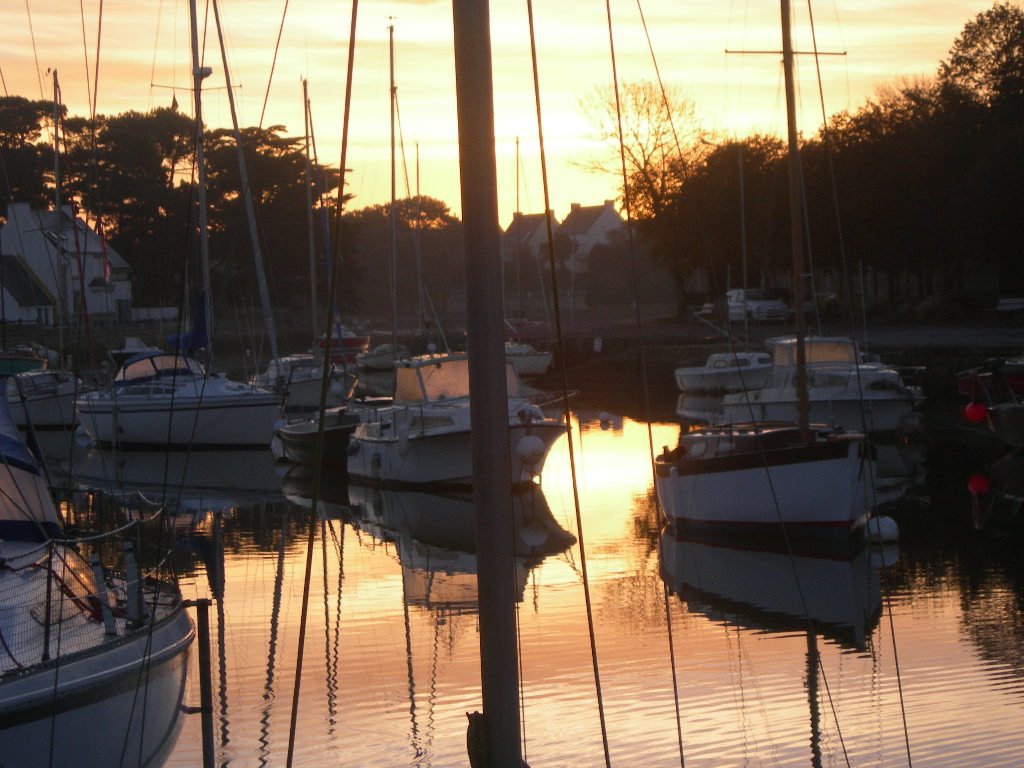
917	195
134	175
920	190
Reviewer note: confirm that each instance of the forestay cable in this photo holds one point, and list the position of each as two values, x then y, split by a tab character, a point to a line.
565	383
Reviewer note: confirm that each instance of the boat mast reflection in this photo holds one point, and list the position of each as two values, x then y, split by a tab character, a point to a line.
833	592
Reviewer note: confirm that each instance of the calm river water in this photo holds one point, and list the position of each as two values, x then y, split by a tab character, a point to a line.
914	653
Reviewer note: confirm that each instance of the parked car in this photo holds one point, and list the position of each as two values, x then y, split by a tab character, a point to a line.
755	304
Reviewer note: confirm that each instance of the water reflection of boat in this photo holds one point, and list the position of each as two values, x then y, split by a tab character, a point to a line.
332	492
435	537
900	470
700	408
837	596
1001	502
175	476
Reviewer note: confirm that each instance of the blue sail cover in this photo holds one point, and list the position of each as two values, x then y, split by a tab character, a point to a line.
197	338
27	511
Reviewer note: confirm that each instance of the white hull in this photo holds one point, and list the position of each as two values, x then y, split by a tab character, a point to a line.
169	400
810	487
304	394
44	411
298	379
243	421
530	363
443	458
726	372
44	398
700	380
96	714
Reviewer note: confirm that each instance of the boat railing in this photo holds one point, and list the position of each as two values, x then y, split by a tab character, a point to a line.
64	597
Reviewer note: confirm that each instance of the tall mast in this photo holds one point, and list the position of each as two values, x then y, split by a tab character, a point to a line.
198	75
309	213
492	483
416	248
795	222
394	221
62	287
250	213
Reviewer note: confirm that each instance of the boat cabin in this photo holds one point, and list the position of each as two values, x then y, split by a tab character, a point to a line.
432	378
818	350
157	365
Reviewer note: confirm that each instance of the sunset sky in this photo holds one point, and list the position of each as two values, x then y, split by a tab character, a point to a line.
145	62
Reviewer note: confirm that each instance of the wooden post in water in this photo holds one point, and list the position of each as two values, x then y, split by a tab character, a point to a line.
492	482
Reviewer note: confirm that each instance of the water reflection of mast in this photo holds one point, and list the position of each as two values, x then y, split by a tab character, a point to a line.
332	639
812	696
275	621
417	746
218	598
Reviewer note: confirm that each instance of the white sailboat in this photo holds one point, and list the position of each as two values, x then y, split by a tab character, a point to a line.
760	475
168	399
93	669
423	435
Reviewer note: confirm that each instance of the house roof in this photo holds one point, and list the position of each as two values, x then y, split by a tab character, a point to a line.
524	225
21	283
582	217
29	222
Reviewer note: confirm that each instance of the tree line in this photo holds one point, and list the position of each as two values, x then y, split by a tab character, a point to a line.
925	179
133	176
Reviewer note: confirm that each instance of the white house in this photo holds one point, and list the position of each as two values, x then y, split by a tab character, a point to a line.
526	236
586	226
56	262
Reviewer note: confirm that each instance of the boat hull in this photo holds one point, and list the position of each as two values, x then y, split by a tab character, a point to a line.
444	458
118	706
730	380
55	411
820	486
296	442
244	421
1006	420
534	363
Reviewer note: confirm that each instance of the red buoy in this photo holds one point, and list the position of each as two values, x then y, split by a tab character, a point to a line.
977	484
975	413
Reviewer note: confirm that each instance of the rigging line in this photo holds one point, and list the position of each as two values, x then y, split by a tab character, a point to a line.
85	55
896	661
96	74
827	137
152	66
3	81
401	147
627	203
318	452
35	52
565	386
273	63
519	650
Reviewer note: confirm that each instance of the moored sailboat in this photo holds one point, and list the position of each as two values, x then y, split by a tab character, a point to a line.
757	474
168	399
86	649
